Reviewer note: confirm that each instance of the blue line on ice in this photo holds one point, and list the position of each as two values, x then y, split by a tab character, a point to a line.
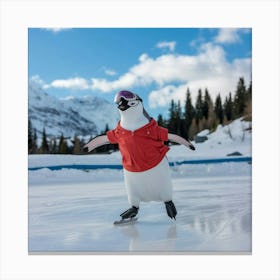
119	166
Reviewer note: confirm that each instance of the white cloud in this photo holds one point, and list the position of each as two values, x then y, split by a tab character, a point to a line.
163	96
209	68
110	72
196	42
72	83
125	81
228	35
212	71
37	80
143	57
164	69
209	64
102	85
173	74
169	45
221	80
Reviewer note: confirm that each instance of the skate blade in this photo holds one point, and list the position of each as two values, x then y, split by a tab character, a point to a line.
124	222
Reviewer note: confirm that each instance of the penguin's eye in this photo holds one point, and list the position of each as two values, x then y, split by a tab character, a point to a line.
132	103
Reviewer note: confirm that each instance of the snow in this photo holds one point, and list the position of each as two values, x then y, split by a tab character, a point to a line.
73	210
204	132
69	116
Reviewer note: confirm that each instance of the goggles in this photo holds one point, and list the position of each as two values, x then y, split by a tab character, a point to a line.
127	95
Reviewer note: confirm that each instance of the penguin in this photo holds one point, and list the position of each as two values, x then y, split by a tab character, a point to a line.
142	146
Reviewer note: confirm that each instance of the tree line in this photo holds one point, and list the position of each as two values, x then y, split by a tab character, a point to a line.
61	144
185	120
188	119
49	145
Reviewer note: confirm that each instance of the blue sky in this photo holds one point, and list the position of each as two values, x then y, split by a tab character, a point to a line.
159	64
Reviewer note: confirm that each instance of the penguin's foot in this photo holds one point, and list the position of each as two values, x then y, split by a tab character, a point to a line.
171	209
130	213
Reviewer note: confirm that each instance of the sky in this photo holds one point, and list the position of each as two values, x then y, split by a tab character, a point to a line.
158	64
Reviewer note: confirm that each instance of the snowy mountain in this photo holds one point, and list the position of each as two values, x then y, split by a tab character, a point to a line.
80	116
97	110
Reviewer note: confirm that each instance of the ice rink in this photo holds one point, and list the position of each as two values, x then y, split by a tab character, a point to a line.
73	211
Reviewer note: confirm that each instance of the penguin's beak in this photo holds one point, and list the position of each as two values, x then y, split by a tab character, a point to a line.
123	105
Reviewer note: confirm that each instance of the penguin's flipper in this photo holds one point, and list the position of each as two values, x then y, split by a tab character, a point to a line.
96	142
180	140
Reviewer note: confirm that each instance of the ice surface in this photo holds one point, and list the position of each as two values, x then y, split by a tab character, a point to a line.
214	212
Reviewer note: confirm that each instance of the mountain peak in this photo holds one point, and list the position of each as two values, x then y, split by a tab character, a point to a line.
83	116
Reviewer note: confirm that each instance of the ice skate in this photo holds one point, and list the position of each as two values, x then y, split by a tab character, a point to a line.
171	209
128	216
130	213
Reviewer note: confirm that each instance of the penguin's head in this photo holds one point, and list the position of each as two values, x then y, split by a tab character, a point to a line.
131	109
127	100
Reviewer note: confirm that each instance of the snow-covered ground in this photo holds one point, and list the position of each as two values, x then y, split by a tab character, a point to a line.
73	210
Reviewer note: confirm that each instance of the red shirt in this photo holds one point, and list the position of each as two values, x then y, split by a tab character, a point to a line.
142	148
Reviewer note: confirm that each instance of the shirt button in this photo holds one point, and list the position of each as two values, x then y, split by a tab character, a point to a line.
148	132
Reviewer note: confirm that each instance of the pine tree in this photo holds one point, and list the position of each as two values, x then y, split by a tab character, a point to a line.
206	104
44	146
62	146
30	137
199	108
34	136
219	109
77	145
240	98
209	113
228	108
248	107
193	130
178	118
172	117
248	94
82	143
189	113
160	120
53	146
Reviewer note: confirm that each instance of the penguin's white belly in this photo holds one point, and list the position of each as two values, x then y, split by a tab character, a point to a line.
151	185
